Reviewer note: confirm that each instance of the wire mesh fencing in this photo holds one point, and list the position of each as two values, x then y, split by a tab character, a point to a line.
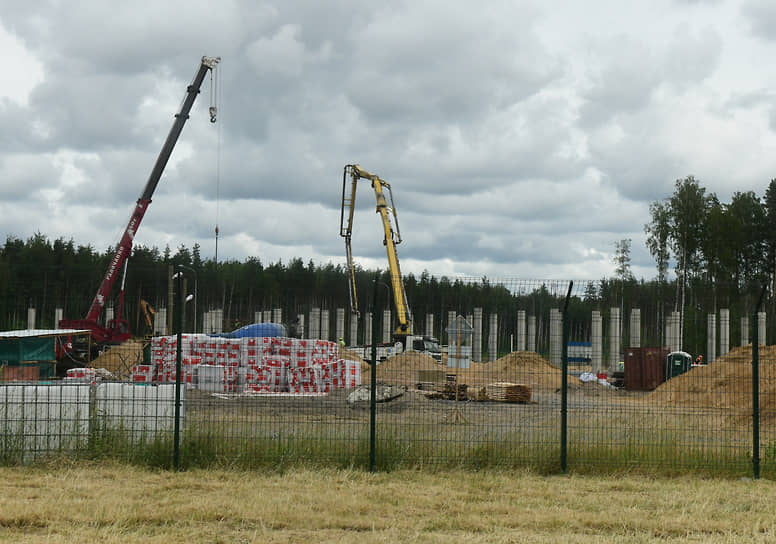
544	374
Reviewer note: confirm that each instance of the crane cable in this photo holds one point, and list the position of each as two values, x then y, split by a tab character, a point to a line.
215	106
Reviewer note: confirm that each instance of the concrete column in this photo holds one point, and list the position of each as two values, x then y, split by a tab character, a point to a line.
108	314
678	340
521	330
597	338
724	331
353	339
300	326
493	337
368	329
430	324
531	335
556	337
668	332
635	328
30	318
315	323
386	326
277	315
266	316
257	317
325	329
614	339
218	321
160	322
340	324
761	329
745	331
711	338
58	315
477	335
451	315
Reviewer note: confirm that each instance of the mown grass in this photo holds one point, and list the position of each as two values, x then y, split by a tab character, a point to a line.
107	502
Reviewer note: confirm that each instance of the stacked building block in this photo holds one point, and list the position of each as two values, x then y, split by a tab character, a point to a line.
252	364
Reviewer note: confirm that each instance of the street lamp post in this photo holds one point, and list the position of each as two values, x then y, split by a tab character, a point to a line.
183	299
194	272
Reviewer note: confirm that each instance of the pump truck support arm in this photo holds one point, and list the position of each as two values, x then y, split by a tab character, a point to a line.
387	210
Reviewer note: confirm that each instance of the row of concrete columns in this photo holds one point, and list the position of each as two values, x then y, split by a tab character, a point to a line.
319	327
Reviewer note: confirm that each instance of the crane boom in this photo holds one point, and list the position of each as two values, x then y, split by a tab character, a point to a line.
124	248
392	238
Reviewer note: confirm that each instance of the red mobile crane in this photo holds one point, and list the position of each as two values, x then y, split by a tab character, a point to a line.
117	329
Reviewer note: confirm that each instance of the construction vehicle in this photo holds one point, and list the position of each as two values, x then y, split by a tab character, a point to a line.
391	240
421	344
148	311
404	340
117	330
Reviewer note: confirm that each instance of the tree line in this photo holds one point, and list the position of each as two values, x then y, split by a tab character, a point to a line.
722	252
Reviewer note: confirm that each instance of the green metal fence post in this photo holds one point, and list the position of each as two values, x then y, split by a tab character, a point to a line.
756	388
177	429
564	385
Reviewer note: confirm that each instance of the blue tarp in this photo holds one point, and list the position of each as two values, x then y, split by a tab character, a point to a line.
255	330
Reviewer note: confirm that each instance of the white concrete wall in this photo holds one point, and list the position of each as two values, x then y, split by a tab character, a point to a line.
325	329
614	340
711	338
477	335
597	338
635	328
556	337
387	326
521	330
724	331
493	337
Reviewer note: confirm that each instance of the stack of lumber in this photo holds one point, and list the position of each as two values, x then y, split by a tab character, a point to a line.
508	392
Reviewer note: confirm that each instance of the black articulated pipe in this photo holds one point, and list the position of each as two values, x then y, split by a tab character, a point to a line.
564	384
373	384
177	431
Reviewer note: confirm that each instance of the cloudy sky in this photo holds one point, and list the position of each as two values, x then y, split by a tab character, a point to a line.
521	138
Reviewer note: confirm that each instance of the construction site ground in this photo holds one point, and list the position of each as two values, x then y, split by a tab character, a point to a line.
709	404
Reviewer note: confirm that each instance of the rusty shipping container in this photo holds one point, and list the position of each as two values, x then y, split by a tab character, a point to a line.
644	368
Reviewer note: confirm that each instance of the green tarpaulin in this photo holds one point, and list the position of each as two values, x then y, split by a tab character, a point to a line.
32	348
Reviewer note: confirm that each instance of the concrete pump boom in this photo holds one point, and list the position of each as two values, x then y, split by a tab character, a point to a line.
392	238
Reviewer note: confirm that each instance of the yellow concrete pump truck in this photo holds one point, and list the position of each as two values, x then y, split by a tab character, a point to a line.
403	332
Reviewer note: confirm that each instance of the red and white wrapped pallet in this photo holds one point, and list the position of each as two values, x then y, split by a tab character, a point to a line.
143	373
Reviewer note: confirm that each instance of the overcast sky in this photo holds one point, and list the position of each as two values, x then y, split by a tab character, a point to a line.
521	139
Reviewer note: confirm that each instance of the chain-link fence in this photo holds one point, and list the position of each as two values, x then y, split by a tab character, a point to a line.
555	375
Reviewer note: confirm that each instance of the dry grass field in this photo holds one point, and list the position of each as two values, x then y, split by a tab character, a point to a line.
112	503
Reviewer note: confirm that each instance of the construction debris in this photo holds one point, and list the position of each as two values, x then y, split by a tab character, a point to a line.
448	391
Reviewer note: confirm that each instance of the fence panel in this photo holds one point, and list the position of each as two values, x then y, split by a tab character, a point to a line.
491	393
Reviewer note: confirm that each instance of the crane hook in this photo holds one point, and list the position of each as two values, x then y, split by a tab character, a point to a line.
213	111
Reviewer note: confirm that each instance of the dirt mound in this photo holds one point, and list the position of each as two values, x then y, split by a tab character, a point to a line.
522	367
120	359
403	369
345	353
724	384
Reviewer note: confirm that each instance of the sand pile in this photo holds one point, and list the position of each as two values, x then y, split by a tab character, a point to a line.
522	367
724	384
120	359
403	369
